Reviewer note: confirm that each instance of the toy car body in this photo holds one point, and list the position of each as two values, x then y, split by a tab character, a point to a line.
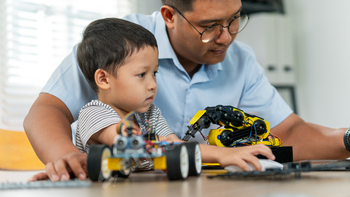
180	160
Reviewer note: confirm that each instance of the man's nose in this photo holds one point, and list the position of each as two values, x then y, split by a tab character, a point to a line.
225	37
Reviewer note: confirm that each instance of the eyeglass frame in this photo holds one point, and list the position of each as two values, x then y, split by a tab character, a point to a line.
211	26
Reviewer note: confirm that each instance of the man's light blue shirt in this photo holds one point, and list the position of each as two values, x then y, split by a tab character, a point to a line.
238	81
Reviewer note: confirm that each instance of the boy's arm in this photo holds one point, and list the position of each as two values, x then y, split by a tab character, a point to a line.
47	126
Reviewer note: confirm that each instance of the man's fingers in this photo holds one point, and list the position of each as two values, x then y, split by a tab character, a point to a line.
39	176
61	169
76	164
254	161
243	165
263	150
51	172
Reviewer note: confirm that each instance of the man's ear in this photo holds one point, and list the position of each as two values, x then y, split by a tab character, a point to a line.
168	15
102	79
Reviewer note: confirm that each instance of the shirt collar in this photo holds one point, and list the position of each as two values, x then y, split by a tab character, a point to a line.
165	49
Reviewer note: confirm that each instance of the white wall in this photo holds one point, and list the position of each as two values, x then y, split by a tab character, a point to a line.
322	52
147	6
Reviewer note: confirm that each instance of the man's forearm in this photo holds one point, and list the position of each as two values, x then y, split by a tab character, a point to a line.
311	141
48	129
209	153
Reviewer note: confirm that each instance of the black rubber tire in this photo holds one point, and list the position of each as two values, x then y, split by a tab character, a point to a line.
194	158
94	162
177	163
122	173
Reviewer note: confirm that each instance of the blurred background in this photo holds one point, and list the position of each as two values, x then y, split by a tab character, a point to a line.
303	45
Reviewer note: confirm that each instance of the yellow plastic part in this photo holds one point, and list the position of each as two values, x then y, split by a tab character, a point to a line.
159	163
214	133
114	164
197	116
210	164
213	137
275	142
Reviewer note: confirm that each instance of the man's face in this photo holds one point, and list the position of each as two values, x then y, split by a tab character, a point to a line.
134	88
186	40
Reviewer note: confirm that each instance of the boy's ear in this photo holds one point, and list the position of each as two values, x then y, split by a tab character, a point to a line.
168	15
102	79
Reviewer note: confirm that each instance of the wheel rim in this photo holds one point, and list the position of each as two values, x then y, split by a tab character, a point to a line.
198	158
106	173
126	166
184	163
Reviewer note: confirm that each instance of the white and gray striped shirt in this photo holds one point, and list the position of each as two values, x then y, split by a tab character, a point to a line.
96	116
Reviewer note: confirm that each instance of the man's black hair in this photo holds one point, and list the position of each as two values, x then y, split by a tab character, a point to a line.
107	43
182	5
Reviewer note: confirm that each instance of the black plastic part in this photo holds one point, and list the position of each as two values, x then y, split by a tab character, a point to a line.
226	137
94	162
256	6
173	162
283	154
193	163
260	126
186	138
149	136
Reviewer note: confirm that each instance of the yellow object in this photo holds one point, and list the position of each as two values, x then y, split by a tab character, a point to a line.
197	116
114	164
210	164
213	136
160	163
16	152
275	142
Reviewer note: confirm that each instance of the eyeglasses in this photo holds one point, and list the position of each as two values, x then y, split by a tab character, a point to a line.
212	32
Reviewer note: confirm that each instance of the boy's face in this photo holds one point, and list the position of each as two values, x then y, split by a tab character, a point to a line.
134	88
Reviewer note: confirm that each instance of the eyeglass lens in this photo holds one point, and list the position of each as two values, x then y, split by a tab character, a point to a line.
215	31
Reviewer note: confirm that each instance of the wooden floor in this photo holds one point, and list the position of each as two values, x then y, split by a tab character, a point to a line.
156	183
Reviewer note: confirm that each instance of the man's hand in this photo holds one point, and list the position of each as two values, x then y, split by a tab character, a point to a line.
62	169
239	156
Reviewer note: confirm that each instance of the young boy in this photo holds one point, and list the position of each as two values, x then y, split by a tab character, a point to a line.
119	59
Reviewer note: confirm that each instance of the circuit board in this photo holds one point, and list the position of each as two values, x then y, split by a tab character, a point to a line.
44	184
292	168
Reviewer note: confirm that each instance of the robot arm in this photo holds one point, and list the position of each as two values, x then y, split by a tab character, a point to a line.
238	126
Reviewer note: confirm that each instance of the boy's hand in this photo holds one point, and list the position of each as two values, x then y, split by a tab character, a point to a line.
73	163
134	126
170	138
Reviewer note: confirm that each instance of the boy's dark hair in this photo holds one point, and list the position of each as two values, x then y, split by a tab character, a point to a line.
181	5
107	43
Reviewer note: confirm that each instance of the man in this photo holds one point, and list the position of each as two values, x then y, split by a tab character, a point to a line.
200	65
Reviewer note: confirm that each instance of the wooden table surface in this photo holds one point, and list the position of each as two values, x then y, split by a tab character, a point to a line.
156	183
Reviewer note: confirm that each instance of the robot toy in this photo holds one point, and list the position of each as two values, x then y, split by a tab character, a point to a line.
237	128
180	160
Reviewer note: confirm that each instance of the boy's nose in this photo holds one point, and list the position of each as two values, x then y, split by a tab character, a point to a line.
152	84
